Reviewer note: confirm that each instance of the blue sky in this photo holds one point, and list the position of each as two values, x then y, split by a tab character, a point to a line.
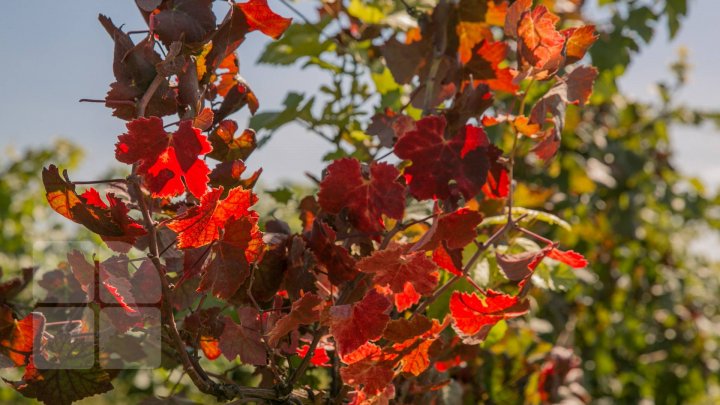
55	52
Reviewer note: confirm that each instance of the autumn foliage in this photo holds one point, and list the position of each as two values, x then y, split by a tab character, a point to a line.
351	292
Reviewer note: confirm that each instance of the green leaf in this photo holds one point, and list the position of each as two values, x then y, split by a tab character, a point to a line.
281	195
299	41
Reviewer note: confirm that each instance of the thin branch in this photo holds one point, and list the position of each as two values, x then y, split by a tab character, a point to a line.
305	361
142	104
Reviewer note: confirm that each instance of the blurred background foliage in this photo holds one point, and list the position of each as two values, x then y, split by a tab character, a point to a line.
642	323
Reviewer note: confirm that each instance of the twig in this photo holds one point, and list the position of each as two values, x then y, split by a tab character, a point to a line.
305	361
142	104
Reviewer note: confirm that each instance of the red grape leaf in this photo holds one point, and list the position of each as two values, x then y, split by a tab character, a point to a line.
573	88
202	224
336	261
437	160
112	276
166	160
389	126
484	66
320	357
238	96
473	318
450	260
457	229
353	325
134	67
513	16
579	40
368	367
366	198
300	263
400	330
548	145
304	311
245	339
470	103
570	257
393	267
260	17
407	297
406	60
63	386
110	222
417	360
519	266
19	337
372	375
414	357
226	147
540	45
498	181
239	247
204	327
190	21
229	175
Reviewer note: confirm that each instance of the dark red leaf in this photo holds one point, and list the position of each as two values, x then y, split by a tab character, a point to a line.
437	160
353	325
336	261
366	198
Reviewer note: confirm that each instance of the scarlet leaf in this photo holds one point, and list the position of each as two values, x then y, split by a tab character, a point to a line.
570	257
353	325
473	318
240	246
407	297
110	222
437	160
338	263
260	17
245	339
166	159
366	199
201	225
304	312
320	357
450	260
393	267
